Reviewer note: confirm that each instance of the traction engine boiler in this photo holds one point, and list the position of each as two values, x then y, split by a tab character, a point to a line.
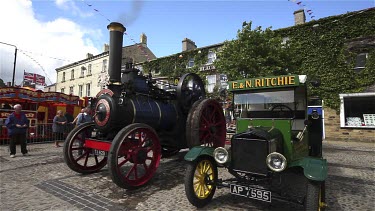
138	119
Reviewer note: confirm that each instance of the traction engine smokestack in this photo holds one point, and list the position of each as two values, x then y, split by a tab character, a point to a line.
116	31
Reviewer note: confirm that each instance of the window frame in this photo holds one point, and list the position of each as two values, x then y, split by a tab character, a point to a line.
342	109
104	65
88	89
89	69
359	68
80	90
211	55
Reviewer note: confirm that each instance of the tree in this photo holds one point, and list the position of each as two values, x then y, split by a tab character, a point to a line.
256	53
2	84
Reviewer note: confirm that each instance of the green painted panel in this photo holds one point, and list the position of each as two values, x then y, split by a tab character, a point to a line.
197	151
264	82
313	168
284	125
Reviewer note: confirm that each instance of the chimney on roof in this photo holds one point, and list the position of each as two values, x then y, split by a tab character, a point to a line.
143	38
188	45
89	55
299	17
105	47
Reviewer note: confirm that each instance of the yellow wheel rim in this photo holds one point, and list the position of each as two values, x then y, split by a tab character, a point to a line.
204	170
322	205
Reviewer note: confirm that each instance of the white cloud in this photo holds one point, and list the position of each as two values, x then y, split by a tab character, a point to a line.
59	38
70	6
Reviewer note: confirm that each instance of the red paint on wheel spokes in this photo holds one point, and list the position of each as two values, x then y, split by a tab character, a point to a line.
140	156
83	157
212	126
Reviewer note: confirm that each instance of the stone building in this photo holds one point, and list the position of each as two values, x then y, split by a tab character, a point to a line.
85	78
355	119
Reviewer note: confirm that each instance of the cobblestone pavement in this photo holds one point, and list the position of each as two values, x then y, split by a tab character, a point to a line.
42	181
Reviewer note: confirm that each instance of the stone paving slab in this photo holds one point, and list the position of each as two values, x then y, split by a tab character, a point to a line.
42	181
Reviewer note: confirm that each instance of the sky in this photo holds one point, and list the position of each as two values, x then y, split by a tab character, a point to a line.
52	33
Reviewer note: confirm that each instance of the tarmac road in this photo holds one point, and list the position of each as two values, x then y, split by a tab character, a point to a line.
42	181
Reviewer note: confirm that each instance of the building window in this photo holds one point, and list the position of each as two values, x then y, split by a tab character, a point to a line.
211	57
62	90
285	41
89	70
191	63
360	61
104	65
357	110
211	83
63	78
80	90
72	75
88	89
82	72
71	90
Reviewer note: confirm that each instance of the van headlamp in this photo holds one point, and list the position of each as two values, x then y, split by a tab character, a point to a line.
276	162
220	155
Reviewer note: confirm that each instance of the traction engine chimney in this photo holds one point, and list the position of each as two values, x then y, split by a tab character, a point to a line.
116	31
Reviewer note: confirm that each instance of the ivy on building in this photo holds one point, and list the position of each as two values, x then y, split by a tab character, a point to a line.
319	49
324	53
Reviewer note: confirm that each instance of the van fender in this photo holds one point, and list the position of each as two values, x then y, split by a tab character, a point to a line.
313	168
198	151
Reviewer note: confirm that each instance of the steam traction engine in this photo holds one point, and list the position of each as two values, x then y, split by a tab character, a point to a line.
136	121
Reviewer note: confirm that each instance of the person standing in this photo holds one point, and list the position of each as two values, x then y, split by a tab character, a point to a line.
78	116
17	124
85	117
58	127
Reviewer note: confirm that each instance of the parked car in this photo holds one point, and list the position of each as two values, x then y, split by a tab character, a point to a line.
276	152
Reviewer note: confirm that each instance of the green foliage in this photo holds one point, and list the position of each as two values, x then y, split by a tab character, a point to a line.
318	49
176	65
322	48
255	53
2	84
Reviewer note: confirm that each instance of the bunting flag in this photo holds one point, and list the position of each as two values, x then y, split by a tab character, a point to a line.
303	5
34	78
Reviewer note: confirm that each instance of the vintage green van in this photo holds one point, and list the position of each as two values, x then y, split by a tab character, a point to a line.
276	153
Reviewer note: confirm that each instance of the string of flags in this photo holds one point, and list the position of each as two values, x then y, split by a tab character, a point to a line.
303	5
37	64
138	45
41	54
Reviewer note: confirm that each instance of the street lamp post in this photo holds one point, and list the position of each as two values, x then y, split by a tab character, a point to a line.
15	59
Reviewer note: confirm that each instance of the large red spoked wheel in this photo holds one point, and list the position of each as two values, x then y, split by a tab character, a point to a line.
134	155
80	158
206	124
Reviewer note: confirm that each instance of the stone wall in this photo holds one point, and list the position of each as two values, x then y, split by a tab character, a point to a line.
335	133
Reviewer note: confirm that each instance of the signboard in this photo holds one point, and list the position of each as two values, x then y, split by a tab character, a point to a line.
29	114
25	94
264	82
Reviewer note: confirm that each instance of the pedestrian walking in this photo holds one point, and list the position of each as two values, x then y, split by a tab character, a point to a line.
17	124
58	127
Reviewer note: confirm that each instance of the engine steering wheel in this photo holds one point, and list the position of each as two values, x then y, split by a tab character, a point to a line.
281	113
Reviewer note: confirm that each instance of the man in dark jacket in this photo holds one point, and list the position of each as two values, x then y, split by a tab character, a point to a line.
17	124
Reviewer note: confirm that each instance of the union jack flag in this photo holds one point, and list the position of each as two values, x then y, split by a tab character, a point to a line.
34	78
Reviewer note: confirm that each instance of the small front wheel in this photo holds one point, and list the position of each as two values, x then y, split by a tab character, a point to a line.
315	196
200	181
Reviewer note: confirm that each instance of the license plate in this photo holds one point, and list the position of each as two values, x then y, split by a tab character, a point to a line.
250	192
